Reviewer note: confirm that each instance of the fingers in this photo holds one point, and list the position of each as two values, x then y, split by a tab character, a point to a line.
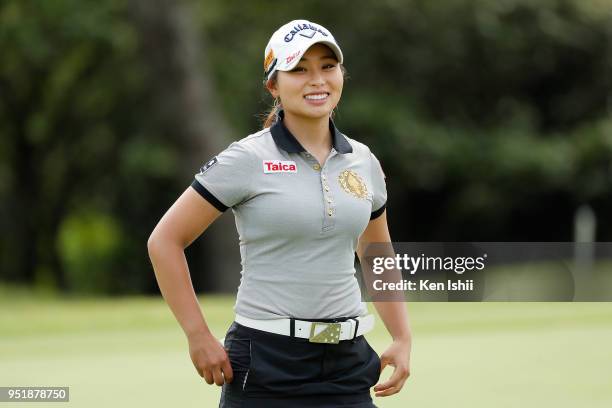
208	376
211	362
383	363
199	370
387	392
228	373
218	373
394	384
393	381
218	376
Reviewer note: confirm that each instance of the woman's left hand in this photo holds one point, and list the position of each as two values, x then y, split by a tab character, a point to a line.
398	356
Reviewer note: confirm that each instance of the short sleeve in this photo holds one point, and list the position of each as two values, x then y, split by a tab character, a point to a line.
225	180
379	188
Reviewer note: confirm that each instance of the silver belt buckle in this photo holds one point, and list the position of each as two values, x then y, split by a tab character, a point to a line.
330	335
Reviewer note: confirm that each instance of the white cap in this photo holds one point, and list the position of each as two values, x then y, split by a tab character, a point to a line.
289	43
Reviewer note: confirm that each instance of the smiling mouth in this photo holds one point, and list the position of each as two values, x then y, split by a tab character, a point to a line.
317	97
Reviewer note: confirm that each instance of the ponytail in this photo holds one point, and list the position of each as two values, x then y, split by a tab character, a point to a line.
270	117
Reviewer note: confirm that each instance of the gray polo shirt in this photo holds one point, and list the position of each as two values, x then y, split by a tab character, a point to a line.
298	222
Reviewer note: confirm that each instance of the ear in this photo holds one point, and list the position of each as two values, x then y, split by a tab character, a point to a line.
272	87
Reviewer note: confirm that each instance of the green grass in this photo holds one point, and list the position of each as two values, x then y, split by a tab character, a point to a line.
130	352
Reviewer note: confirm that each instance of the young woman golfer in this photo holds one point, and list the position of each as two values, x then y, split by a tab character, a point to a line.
305	198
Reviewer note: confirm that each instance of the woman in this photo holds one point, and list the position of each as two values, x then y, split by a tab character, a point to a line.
305	198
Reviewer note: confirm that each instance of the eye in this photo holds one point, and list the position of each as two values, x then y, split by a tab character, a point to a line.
329	66
298	69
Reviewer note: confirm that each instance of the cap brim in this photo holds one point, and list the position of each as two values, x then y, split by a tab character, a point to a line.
334	47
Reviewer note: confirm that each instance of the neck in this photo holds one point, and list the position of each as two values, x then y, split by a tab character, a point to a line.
312	133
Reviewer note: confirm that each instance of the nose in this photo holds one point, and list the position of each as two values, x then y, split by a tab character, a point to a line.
316	77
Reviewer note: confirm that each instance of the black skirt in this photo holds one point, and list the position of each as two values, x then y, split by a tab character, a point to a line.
272	370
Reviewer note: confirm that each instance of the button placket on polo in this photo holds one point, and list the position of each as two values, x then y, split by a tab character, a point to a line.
329	220
329	209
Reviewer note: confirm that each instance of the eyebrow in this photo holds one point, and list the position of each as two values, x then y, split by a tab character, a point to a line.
323	57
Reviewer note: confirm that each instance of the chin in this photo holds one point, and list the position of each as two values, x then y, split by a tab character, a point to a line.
317	113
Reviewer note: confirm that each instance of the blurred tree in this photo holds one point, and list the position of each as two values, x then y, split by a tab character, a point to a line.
491	118
102	119
68	80
185	104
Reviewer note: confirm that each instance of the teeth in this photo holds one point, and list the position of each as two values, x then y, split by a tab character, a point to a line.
318	96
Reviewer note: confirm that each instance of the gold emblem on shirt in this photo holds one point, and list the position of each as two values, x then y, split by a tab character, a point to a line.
353	184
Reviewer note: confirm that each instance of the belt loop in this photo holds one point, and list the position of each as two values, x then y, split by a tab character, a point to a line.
356	327
292	327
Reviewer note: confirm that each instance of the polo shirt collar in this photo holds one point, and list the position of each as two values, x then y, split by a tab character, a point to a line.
286	141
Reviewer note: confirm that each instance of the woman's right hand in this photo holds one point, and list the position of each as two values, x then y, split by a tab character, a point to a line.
209	358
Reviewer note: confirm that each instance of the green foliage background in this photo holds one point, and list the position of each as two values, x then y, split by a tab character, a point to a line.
491	119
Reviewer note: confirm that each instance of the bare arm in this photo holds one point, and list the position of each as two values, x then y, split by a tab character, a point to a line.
393	314
187	219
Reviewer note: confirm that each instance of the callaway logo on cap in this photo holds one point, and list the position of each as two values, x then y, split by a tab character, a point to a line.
291	41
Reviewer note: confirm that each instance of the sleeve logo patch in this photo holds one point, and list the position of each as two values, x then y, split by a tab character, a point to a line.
208	165
278	166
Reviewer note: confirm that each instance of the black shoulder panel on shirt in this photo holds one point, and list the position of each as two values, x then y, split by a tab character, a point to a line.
378	212
208	196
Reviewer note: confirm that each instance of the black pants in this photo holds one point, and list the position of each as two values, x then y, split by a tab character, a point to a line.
272	370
